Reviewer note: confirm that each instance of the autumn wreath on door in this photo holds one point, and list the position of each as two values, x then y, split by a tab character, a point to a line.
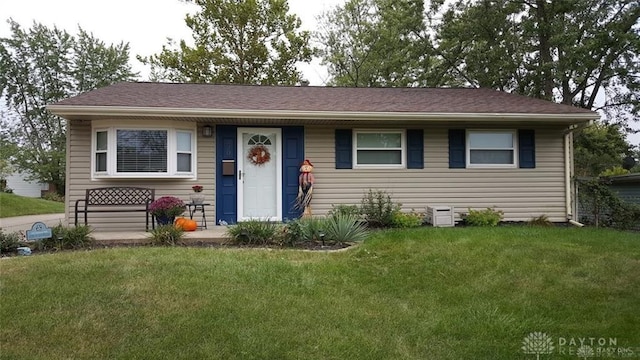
259	155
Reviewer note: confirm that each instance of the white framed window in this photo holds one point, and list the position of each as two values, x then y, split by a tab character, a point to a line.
491	148
379	148
100	155
136	152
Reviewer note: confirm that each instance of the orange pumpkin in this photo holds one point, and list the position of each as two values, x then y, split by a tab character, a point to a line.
189	225
179	222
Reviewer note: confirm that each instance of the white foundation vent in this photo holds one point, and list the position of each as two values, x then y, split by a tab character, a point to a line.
440	216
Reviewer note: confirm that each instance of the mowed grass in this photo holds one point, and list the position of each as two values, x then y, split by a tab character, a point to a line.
15	205
463	293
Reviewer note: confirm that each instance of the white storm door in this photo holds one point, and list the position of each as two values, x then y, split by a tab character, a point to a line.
260	175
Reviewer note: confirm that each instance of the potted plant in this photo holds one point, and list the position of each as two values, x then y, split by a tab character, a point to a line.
166	208
197	197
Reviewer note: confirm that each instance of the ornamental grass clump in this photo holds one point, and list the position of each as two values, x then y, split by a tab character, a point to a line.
167	235
254	232
167	206
342	228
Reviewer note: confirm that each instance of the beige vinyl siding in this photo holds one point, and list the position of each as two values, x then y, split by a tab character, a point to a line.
79	179
520	193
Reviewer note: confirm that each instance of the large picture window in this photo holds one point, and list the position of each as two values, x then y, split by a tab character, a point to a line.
133	152
375	148
491	149
141	151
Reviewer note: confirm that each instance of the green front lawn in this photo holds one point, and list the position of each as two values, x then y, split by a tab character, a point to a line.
462	293
15	205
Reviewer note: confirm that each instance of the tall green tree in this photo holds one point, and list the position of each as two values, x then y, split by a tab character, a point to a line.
576	52
236	41
8	148
600	147
41	66
375	43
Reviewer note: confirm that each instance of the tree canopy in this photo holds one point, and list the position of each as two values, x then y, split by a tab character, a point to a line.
598	148
375	43
577	52
41	66
236	41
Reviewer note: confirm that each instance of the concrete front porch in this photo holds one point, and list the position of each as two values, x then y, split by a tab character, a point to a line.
214	235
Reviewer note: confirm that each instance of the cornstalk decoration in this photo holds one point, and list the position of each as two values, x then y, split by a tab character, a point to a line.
305	188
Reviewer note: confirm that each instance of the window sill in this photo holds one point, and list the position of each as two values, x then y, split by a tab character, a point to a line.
491	166
143	176
379	167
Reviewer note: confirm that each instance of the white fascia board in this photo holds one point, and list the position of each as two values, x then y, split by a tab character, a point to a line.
66	111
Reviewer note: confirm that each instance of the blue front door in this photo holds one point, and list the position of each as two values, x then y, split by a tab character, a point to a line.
227	192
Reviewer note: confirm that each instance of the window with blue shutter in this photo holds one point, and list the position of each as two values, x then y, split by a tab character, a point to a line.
415	149
457	149
527	149
344	149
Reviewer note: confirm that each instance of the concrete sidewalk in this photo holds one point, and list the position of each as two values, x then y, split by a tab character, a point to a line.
214	234
24	223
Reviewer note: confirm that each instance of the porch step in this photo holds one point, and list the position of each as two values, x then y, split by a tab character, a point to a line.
214	235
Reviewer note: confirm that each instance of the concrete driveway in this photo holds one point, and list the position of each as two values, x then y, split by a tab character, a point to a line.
24	223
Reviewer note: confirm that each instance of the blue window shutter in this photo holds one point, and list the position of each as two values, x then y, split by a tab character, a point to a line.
527	149
415	149
457	149
227	185
344	149
293	156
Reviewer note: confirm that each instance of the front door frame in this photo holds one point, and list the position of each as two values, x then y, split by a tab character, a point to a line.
293	150
242	163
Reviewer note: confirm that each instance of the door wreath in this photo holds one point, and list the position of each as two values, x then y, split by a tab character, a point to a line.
259	155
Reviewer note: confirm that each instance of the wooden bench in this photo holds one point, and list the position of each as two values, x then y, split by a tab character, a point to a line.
115	199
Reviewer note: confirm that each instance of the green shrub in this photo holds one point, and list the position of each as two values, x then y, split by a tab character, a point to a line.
616	170
407	220
342	209
292	232
378	209
342	228
53	196
487	217
625	216
9	242
254	232
313	228
68	237
542	220
604	206
167	235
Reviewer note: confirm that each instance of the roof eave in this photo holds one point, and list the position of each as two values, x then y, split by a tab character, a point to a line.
73	112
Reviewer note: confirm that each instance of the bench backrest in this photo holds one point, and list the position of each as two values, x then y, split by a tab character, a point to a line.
119	196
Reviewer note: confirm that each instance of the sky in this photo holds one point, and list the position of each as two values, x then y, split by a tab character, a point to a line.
146	24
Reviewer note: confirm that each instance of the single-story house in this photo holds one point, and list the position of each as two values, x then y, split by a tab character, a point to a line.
459	147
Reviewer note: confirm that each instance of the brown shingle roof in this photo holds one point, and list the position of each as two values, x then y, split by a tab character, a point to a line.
280	98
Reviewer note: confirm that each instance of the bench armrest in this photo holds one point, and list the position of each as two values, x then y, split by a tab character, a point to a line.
76	209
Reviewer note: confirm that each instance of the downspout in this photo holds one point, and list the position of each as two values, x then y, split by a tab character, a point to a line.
568	170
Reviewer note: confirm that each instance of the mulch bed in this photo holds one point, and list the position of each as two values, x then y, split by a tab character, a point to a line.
309	246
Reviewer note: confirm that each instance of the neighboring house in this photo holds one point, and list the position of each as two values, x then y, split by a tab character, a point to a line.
20	186
627	187
467	148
